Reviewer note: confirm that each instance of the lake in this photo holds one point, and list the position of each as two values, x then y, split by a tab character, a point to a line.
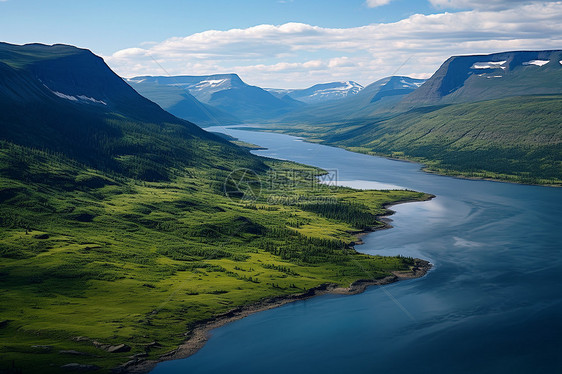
491	304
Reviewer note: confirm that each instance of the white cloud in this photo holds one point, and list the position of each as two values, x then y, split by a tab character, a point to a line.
376	3
483	4
297	55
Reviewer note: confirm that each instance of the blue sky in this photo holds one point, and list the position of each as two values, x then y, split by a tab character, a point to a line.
107	26
284	43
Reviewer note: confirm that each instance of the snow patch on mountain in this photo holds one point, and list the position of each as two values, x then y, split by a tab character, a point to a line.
63	96
79	98
536	62
211	83
406	84
83	97
489	65
321	92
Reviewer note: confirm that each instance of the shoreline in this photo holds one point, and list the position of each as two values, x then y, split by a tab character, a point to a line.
201	333
424	167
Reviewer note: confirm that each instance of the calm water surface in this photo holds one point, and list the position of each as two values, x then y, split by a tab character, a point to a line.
492	303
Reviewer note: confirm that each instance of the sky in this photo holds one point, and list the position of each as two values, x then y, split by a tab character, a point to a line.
284	43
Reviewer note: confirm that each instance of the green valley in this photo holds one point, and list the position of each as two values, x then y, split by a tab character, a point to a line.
126	261
116	235
517	139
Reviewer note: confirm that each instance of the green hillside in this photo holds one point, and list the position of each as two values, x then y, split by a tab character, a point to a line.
515	139
125	261
116	235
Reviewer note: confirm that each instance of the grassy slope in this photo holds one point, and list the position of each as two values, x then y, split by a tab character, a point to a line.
129	136
127	261
515	139
114	223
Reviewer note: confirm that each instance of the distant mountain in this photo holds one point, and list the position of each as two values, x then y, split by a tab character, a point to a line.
494	76
226	93
182	104
486	116
320	93
395	86
66	100
375	99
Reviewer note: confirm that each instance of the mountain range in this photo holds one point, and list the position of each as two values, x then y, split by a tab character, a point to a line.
320	93
224	98
495	76
485	116
393	116
378	97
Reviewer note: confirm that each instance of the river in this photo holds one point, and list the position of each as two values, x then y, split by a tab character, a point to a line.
491	304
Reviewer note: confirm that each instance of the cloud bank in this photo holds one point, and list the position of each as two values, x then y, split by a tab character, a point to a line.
298	55
483	4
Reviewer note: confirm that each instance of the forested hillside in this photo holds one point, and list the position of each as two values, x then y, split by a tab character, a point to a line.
123	227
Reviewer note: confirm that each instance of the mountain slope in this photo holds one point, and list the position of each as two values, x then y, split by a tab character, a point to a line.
182	104
518	139
75	105
494	76
320	93
487	116
225	92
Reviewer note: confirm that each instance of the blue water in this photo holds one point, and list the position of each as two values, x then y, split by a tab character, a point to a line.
492	303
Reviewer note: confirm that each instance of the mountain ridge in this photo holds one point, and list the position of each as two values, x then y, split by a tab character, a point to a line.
490	76
377	98
118	130
322	92
226	93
